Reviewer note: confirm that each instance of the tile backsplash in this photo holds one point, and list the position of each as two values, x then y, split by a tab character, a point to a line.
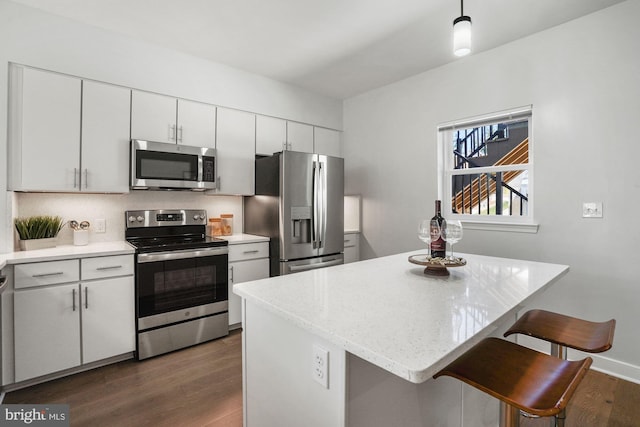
111	208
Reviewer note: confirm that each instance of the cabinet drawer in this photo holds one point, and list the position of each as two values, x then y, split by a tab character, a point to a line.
248	251
106	266
350	240
46	273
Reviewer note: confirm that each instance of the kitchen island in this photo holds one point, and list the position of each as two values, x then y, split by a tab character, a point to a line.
358	344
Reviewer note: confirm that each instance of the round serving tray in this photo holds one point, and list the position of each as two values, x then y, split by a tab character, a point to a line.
436	266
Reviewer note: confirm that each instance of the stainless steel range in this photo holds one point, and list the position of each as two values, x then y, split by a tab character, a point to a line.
181	280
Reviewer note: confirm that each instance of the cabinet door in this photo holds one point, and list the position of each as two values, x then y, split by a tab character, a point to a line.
46	131
351	247
153	117
47	330
300	137
271	135
108	318
235	152
196	124
106	112
327	142
244	271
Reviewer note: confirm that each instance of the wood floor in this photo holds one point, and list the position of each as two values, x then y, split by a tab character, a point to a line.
198	386
202	386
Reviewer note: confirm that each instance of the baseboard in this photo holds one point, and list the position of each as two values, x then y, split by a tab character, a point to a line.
615	368
601	362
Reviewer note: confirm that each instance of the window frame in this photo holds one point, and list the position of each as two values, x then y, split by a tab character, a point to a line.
515	223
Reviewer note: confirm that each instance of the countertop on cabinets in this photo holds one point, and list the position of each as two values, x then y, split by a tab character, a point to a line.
236	239
67	251
387	312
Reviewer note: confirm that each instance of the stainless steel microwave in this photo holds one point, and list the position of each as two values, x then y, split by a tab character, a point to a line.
163	166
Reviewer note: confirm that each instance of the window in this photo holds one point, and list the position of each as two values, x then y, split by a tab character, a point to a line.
486	170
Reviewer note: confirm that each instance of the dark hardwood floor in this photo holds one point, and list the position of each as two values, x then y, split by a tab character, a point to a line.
202	386
198	386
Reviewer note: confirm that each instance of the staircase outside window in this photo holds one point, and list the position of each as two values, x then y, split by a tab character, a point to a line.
486	170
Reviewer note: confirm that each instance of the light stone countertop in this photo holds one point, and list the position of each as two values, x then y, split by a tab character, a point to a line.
67	251
387	312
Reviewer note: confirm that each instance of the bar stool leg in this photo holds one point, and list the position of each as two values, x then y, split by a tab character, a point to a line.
509	415
560	352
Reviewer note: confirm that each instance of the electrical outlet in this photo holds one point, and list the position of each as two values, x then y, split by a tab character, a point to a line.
592	210
320	366
100	226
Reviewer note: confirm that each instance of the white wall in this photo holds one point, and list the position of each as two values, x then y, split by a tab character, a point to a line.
35	38
583	79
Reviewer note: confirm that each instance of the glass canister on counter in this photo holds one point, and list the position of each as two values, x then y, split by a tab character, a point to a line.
227	224
215	226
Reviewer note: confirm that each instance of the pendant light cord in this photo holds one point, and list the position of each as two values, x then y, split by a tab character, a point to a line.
461	7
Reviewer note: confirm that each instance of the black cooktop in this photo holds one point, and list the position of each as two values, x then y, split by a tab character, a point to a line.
175	243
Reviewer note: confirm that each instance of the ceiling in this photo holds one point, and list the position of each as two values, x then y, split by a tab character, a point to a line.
338	48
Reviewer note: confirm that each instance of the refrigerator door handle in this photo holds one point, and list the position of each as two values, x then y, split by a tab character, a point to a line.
323	202
314	217
306	267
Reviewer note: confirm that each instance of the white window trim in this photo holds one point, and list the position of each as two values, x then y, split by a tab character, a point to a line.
519	224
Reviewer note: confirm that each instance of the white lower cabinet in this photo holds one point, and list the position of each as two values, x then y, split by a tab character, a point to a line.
247	261
47	330
351	247
108	318
59	326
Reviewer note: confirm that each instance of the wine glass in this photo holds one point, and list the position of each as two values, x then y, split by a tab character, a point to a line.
451	232
424	234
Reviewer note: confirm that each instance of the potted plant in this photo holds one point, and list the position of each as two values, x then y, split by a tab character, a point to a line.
38	232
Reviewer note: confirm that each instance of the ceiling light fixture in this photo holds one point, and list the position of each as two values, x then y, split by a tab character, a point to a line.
462	33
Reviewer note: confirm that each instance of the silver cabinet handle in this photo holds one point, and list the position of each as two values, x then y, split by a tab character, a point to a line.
172	132
57	273
86	178
75	177
231	278
251	252
180	134
109	267
74	300
86	297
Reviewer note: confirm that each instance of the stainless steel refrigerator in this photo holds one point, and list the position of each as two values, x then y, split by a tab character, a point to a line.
299	205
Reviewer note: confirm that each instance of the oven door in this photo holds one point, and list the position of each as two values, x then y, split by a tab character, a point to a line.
170	282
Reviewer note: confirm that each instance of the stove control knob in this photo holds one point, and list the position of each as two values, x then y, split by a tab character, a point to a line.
132	218
197	217
140	218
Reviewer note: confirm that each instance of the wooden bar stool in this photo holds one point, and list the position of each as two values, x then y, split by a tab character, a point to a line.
521	378
562	332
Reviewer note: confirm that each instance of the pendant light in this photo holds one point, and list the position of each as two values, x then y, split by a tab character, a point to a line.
462	33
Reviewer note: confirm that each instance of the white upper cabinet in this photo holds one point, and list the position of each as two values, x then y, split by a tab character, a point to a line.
196	124
271	135
153	117
235	152
105	137
66	134
299	137
327	142
44	131
163	118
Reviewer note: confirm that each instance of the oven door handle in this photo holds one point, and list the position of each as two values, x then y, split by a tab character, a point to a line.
171	255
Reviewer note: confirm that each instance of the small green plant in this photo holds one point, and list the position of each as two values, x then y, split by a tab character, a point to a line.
38	227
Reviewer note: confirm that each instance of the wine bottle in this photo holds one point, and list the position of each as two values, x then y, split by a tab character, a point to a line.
438	246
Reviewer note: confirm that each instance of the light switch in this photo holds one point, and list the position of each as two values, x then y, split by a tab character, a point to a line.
592	210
